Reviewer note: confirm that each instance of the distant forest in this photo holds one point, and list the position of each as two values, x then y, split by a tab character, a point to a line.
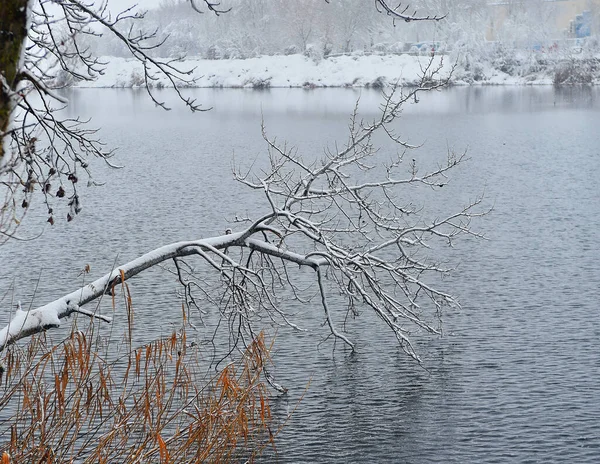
319	28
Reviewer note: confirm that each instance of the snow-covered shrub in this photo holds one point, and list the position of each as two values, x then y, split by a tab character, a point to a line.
239	48
213	52
473	55
291	50
470	69
574	72
532	63
505	60
378	83
314	52
258	83
63	79
478	72
380	47
255	53
396	48
233	53
177	51
136	79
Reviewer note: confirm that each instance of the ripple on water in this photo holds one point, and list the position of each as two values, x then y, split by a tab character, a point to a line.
515	379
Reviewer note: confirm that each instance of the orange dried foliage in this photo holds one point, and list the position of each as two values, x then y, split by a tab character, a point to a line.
68	403
162	447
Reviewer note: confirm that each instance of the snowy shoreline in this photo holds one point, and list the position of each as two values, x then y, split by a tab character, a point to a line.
301	71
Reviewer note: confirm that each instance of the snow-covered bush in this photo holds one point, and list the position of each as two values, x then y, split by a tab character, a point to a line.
380	47
396	48
378	83
227	50
504	59
575	72
470	64
291	50
314	52
213	52
532	63
258	83
233	53
137	78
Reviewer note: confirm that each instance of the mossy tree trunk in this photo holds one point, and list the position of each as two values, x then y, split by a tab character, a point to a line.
13	30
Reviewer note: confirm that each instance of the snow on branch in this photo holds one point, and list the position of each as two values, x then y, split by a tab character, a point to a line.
404	12
372	240
26	323
215	7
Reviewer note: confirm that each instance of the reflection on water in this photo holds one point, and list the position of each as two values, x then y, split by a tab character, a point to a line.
326	103
515	378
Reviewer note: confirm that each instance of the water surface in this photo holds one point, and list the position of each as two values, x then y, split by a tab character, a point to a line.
515	377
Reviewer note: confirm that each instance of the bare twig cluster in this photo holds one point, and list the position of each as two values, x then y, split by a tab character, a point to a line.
348	210
403	12
42	149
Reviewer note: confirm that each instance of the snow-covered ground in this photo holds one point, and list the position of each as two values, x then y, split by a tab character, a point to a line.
302	71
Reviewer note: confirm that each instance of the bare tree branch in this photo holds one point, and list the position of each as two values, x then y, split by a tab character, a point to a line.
215	7
403	13
40	149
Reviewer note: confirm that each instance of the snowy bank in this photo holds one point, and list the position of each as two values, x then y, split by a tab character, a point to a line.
339	71
280	71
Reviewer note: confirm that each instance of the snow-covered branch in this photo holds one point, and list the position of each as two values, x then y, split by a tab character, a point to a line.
404	13
343	216
371	240
26	323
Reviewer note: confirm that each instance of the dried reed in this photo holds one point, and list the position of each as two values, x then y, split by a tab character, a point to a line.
69	403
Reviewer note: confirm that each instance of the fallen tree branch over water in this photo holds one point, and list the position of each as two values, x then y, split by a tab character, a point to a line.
26	323
341	215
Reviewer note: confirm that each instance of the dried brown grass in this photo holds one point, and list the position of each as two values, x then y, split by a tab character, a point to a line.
68	403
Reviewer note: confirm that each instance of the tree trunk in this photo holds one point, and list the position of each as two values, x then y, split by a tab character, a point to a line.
13	31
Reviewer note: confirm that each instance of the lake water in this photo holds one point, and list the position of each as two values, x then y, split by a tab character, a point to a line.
516	377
